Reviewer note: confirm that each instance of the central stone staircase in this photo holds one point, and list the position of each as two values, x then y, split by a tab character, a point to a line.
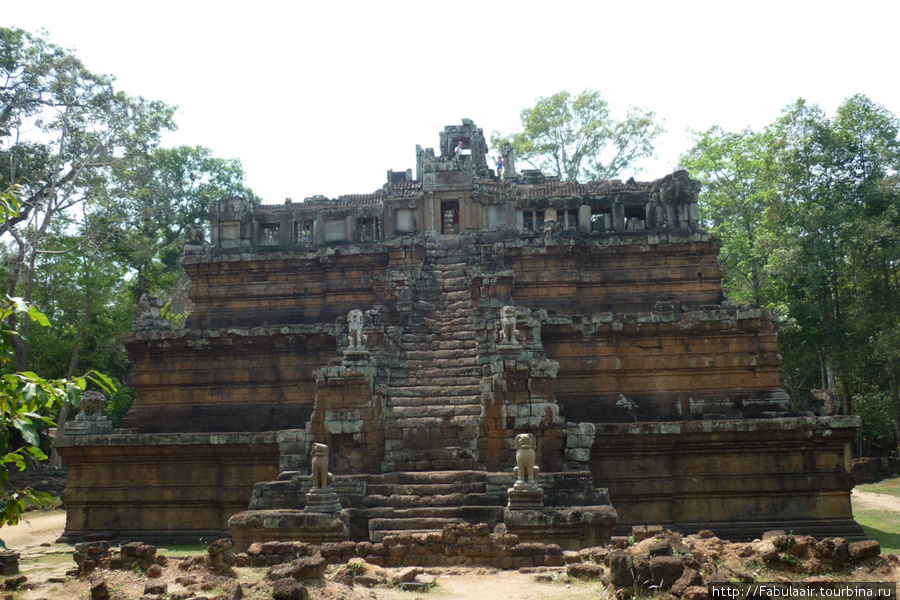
420	502
434	409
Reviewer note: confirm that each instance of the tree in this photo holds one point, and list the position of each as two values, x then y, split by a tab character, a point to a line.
27	400
62	130
737	171
163	192
809	214
577	138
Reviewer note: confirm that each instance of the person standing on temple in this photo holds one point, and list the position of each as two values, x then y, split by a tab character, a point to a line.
499	167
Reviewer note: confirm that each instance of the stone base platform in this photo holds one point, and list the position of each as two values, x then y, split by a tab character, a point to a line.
737	478
403	502
570	528
288	525
161	488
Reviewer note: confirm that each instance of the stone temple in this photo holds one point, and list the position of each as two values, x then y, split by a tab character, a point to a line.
421	332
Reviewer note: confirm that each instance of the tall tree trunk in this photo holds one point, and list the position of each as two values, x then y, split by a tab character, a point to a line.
895	397
85	322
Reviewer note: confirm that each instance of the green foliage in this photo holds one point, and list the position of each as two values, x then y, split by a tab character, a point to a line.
99	209
26	403
578	138
877	411
808	211
162	192
737	171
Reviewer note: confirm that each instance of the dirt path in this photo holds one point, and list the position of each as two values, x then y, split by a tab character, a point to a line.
873	501
501	585
40	557
41	528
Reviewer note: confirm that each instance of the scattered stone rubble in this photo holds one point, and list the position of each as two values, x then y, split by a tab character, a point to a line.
685	565
9	562
650	560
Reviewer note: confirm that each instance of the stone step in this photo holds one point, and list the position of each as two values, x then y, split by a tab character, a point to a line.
400	501
458	282
428	360
433	355
456	296
456	322
454	410
447	386
453	345
452	259
442	373
377	536
393	524
417	337
459	385
460	305
432	286
431	477
426	488
424	464
427	391
468	379
423	363
419	512
438	345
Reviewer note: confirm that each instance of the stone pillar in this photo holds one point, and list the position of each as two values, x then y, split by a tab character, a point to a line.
522	399
347	416
584	218
430	225
618	216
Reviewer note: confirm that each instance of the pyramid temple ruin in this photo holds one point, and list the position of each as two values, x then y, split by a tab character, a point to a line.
434	335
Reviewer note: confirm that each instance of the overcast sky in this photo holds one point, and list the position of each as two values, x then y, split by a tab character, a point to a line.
318	97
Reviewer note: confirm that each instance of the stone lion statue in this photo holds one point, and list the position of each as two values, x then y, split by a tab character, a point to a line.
508	332
825	402
150	305
321	478
92	404
525	470
195	234
355	320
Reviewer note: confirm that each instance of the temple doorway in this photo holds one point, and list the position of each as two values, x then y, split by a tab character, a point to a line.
450	217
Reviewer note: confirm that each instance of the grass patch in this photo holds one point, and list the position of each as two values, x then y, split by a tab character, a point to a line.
887	486
882	526
183	550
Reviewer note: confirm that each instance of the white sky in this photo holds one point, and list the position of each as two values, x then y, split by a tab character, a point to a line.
319	97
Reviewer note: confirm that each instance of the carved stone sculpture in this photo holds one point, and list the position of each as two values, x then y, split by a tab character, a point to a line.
355	320
526	494
321	498
150	306
825	402
321	478
90	419
509	335
195	234
150	318
525	470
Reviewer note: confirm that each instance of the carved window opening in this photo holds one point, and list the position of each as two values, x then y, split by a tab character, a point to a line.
367	229
635	217
303	232
269	234
533	220
568	219
466	149
601	219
